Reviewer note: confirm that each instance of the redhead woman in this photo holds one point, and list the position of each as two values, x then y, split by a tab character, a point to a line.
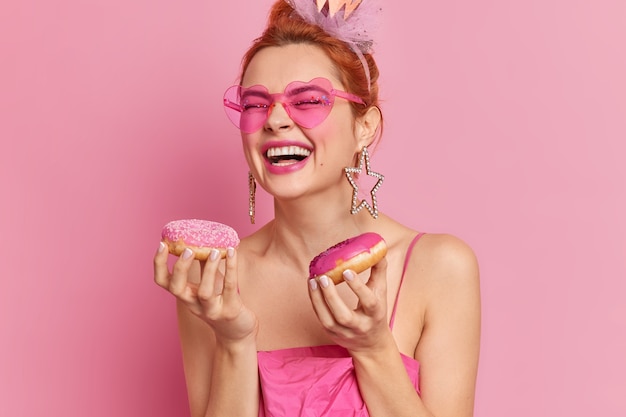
258	338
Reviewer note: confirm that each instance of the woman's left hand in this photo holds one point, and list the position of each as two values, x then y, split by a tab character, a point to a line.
361	328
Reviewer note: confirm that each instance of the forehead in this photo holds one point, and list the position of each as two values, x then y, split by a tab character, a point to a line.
276	66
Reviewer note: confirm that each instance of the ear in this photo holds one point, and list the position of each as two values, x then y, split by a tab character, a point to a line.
366	126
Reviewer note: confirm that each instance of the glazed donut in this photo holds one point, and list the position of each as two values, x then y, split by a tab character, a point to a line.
356	253
201	236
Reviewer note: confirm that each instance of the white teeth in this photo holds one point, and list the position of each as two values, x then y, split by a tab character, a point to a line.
287	150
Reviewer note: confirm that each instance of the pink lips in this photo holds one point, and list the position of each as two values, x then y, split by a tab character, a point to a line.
284	169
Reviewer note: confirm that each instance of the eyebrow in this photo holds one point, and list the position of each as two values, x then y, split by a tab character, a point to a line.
292	92
254	93
305	88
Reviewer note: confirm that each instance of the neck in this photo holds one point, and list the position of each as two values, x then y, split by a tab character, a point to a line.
301	229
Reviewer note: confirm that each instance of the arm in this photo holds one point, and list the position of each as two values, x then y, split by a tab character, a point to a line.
448	344
218	336
217	375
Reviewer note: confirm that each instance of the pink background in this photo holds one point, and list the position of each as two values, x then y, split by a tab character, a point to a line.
505	125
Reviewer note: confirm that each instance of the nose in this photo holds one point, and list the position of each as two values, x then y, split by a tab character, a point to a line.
278	118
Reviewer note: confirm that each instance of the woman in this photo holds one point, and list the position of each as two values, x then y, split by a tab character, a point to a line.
256	339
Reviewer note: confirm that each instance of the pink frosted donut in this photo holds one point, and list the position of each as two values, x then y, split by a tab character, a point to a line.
201	236
356	253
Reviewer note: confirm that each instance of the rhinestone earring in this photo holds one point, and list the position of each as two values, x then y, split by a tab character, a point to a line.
364	158
251	196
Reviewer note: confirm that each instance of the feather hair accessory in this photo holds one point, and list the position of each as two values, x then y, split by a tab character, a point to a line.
356	26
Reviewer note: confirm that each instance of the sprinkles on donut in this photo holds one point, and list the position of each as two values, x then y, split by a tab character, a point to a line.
201	236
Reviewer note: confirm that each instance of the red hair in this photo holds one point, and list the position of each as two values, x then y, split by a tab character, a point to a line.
285	27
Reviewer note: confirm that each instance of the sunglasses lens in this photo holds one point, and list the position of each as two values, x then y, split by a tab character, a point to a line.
247	108
231	104
309	103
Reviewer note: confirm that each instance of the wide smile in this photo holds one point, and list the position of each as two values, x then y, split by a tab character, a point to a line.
286	155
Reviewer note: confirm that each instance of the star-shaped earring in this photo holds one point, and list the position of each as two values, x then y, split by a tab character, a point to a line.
356	206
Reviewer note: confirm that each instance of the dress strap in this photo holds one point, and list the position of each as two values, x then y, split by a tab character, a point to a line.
407	258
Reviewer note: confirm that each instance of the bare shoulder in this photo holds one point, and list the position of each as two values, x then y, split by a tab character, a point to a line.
443	277
440	255
446	260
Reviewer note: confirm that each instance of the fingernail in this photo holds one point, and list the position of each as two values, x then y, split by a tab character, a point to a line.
230	252
187	253
214	254
348	275
313	284
161	246
324	282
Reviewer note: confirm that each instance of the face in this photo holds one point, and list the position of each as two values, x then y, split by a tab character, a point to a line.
287	158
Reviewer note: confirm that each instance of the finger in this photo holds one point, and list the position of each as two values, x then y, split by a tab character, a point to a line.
161	271
341	313
378	277
369	301
180	274
378	281
207	287
320	308
231	283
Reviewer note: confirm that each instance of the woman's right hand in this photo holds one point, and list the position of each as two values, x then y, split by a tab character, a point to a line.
215	299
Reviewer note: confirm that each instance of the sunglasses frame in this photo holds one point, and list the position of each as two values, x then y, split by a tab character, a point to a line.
234	109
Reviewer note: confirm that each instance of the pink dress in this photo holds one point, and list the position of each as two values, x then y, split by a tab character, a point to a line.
318	381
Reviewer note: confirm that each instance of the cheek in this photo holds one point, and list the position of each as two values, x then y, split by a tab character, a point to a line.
338	134
249	144
323	134
336	127
336	142
250	141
